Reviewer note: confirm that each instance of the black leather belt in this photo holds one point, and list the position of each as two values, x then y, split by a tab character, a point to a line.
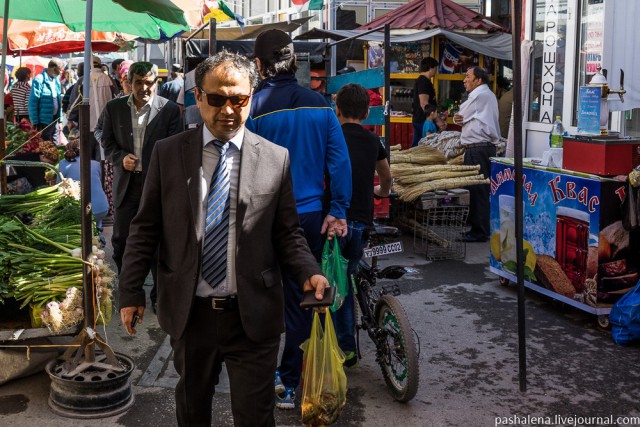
136	172
478	144
229	303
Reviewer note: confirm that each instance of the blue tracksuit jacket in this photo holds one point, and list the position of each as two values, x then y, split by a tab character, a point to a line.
302	121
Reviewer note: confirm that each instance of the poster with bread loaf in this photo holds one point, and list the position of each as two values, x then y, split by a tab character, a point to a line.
574	241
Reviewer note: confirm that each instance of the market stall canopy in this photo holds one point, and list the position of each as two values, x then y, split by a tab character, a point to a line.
47	38
250	31
427	14
497	45
108	15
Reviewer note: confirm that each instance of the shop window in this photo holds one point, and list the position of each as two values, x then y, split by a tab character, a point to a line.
590	42
379	12
546	86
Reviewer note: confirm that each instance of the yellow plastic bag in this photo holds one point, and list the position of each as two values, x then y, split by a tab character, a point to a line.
324	383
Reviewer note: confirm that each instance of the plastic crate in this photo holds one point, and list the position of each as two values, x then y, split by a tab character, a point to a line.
438	230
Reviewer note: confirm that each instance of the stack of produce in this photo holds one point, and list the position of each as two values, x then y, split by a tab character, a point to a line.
423	168
448	142
22	138
40	255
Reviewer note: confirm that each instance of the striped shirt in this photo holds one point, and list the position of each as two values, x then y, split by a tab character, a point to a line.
20	94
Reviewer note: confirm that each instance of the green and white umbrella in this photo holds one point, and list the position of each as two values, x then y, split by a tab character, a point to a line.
144	18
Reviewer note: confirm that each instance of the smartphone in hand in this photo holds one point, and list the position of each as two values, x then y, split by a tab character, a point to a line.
134	321
309	299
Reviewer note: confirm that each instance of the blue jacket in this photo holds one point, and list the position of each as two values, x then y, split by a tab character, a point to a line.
41	99
302	121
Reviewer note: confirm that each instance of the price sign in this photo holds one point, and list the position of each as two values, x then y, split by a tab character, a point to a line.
589	98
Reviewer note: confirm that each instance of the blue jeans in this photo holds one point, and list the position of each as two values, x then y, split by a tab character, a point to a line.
298	320
352	247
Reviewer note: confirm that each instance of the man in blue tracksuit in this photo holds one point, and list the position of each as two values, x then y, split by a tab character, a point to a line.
302	121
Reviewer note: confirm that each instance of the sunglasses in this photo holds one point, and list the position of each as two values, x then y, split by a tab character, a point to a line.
215	100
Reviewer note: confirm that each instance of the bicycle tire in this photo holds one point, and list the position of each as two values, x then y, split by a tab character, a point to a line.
402	378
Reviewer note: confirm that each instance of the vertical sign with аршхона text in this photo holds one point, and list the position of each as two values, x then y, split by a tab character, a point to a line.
549	59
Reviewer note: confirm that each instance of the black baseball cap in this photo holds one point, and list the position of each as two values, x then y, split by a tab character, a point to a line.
269	44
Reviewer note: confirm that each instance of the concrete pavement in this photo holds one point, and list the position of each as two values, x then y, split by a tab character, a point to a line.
467	326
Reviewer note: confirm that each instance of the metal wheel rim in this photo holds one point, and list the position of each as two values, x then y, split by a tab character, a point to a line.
396	367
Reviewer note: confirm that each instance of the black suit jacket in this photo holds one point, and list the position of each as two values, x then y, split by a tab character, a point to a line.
268	234
117	136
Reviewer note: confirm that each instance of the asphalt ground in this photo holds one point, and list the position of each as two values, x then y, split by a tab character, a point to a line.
469	365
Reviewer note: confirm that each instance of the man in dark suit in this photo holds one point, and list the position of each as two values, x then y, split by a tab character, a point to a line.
131	127
235	316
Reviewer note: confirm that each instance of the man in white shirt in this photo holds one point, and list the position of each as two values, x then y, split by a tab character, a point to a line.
478	116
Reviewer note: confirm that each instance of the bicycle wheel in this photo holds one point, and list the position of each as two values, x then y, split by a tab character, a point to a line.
399	361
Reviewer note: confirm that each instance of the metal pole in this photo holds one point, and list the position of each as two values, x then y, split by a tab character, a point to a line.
387	89
516	25
212	37
332	27
5	37
170	55
85	184
185	63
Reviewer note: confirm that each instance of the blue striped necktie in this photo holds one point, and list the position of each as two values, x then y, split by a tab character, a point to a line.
216	224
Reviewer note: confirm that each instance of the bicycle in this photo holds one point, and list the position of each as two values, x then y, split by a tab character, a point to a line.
384	318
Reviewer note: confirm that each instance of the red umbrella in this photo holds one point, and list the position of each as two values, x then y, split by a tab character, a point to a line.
35	64
43	38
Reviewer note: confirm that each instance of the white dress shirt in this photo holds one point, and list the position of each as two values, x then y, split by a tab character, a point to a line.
139	122
480	117
210	156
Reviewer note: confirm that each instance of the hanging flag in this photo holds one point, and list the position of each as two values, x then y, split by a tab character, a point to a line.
304	5
221	12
